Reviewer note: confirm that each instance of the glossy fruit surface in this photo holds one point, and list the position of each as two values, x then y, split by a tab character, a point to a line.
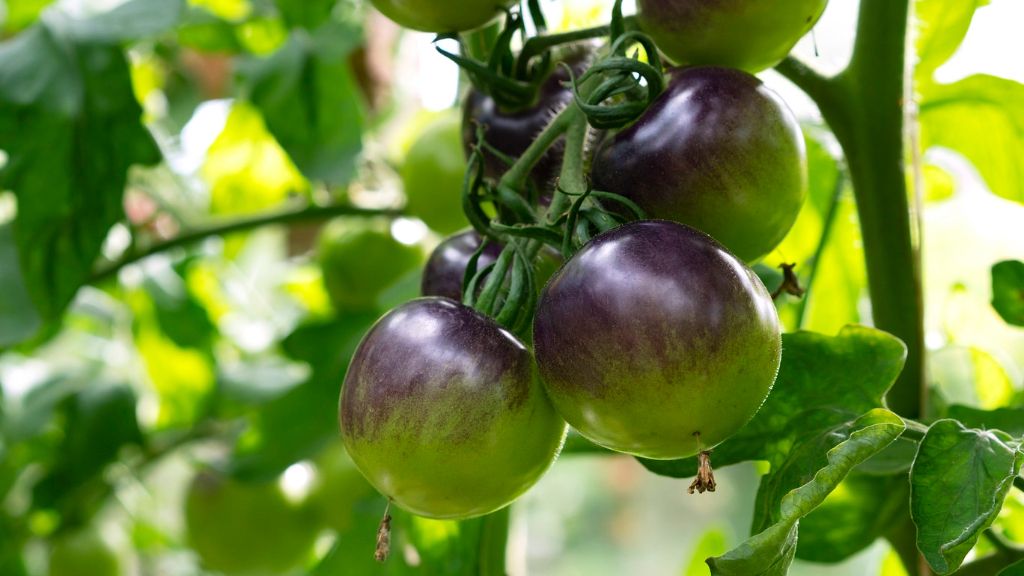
432	175
441	15
718	151
751	35
243	528
652	333
442	411
446	266
360	259
83	552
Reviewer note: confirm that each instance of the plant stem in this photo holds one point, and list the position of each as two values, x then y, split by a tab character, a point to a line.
493	543
864	106
1018	483
109	270
572	180
515	177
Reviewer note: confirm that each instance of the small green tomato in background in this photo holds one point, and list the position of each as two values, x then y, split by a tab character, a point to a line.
83	552
432	175
338	488
751	35
243	528
441	15
360	259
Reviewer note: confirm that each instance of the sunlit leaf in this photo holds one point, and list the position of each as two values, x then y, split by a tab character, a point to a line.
971	376
712	543
226	9
941	28
958	484
982	118
310	101
246	168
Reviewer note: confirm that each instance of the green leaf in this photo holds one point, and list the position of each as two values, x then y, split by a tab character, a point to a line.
100	421
131	20
852	517
19	319
712	543
770	552
1015	569
958	483
982	118
305	13
76	102
824	381
310	101
941	28
278	436
1009	420
261	380
1008	291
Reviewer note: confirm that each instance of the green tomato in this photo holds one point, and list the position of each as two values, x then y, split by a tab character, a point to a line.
338	487
432	175
360	259
751	35
242	528
83	553
441	15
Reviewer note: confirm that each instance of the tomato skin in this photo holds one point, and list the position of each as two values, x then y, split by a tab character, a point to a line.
512	131
442	411
242	528
718	151
360	259
751	35
446	266
441	15
432	175
652	333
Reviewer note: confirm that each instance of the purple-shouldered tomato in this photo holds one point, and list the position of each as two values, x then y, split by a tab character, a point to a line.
718	151
654	340
443	412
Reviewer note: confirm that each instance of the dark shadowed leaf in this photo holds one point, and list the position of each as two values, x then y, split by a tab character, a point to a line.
18	317
1008	291
958	483
770	551
77	103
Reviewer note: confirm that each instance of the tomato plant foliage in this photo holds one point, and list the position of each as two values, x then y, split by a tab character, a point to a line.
215	221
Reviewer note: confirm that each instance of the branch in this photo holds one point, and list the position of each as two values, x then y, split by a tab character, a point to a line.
824	91
107	271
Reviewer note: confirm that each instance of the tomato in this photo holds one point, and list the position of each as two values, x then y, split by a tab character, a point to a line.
441	15
654	340
718	151
432	175
442	411
748	34
83	552
360	259
243	528
512	131
446	267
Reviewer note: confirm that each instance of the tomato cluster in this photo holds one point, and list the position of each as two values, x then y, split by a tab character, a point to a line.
653	337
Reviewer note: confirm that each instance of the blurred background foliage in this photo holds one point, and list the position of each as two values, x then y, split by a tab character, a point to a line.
169	407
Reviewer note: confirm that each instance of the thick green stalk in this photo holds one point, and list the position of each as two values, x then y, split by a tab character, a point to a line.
865	108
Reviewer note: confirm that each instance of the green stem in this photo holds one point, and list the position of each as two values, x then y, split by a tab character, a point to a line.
1018	483
493	543
903	539
865	108
515	177
110	269
572	181
915	430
